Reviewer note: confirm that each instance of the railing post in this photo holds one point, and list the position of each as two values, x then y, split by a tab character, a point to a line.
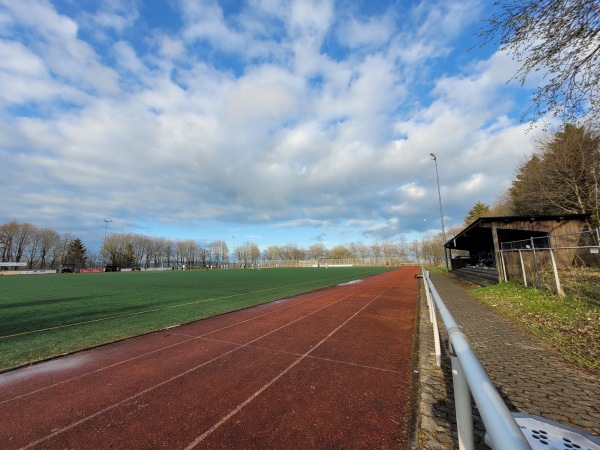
433	318
436	338
462	404
428	295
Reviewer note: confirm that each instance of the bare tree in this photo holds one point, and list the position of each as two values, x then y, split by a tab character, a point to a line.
180	253
272	253
317	251
377	252
25	233
292	252
33	247
49	240
8	235
203	255
140	245
220	252
340	252
61	250
254	254
190	252
402	249
560	39
503	205
242	253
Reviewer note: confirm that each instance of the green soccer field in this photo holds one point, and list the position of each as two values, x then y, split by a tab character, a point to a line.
49	315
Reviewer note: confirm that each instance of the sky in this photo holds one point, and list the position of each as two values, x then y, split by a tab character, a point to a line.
264	121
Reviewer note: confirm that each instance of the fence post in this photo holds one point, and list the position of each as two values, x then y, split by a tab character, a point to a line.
523	268
503	265
559	288
538	282
462	404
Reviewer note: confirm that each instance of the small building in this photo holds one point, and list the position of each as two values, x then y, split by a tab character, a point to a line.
479	244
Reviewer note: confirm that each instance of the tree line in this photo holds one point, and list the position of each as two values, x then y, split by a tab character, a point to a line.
45	248
40	247
562	176
135	250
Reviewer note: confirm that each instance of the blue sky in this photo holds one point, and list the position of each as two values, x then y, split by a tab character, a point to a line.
272	121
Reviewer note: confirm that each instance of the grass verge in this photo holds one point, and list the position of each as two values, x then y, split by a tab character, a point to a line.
571	325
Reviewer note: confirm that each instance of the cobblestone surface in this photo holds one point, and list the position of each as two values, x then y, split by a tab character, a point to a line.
531	376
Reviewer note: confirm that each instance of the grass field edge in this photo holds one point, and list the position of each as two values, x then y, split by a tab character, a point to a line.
157	330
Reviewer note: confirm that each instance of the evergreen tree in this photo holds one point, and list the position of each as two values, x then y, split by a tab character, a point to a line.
563	177
477	211
76	253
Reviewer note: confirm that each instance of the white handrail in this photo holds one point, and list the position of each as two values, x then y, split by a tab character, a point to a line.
503	431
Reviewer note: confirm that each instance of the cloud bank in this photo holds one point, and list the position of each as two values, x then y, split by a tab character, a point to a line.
288	121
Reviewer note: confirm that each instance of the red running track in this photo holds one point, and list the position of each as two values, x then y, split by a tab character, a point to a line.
329	369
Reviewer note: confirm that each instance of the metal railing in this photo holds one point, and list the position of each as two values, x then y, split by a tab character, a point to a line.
470	378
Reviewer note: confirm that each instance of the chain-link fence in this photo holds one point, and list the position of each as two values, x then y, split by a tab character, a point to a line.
563	264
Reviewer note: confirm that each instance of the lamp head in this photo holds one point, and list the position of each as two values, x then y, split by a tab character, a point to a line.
432	156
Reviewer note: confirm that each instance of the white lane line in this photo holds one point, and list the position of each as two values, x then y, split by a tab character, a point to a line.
175	377
321	358
234	411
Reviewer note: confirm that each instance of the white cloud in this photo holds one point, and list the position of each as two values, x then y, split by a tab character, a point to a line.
115	15
16	58
309	20
256	105
61	51
205	20
441	19
25	78
412	191
171	47
373	32
386	230
127	58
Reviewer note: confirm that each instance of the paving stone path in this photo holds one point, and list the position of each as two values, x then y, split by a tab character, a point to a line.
531	376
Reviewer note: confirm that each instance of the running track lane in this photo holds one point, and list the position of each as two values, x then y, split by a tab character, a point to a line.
328	369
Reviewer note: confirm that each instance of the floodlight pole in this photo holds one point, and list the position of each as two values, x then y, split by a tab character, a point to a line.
434	158
106	229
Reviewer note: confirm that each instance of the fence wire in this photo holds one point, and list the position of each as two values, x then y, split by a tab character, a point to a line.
563	264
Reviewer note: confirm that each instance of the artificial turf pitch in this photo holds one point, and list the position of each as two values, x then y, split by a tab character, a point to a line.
49	315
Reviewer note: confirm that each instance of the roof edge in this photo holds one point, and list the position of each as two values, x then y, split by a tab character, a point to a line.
531	218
